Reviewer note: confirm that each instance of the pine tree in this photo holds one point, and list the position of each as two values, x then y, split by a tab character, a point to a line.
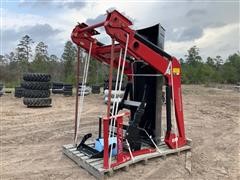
218	62
24	52
69	57
193	57
210	62
40	62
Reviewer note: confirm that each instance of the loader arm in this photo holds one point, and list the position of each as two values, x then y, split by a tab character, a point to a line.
118	27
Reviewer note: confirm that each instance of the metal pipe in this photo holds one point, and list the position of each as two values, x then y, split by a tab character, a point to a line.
92	27
76	103
110	79
100	127
106	142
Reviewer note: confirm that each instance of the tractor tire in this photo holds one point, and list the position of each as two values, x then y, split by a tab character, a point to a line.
36	85
57	84
67	87
1	87
37	77
67	93
18	93
27	93
37	102
95	89
57	91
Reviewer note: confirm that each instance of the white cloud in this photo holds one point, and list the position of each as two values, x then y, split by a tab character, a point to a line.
221	41
218	22
12	20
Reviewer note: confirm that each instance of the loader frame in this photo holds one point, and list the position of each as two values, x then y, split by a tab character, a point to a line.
138	49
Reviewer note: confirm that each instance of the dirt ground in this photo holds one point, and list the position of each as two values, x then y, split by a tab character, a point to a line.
32	139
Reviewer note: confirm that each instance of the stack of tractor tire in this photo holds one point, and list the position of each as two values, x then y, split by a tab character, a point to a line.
18	93
36	91
96	89
67	89
57	88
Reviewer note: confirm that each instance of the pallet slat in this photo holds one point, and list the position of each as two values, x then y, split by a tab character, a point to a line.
95	166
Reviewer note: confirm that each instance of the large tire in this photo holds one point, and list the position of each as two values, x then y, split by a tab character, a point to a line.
18	92
37	77
37	102
27	93
36	85
67	87
67	93
1	87
57	91
95	89
58	84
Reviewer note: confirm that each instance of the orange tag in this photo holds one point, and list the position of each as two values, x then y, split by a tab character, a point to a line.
176	71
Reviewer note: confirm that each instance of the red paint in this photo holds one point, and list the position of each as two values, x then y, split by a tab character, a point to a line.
105	137
117	27
119	138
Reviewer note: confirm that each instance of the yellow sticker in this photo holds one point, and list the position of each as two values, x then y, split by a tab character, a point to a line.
176	71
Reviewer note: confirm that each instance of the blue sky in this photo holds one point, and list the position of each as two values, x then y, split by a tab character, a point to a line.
212	26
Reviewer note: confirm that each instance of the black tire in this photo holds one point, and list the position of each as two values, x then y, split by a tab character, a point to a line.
36	85
18	92
37	77
96	91
67	89
57	84
67	93
68	86
1	87
27	93
37	102
57	87
95	86
57	91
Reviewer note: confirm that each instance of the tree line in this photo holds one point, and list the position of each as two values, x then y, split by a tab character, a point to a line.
195	69
62	69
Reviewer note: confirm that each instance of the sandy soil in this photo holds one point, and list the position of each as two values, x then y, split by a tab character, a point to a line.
31	139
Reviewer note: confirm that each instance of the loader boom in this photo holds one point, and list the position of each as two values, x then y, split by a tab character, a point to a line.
138	49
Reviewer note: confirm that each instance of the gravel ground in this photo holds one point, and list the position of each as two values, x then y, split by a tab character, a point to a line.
32	139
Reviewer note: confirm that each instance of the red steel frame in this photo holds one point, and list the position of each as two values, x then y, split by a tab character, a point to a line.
117	27
121	156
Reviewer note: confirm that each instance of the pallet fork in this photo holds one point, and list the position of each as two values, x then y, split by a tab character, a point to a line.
145	63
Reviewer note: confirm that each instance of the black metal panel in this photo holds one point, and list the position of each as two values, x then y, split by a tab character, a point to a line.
152	46
148	119
168	107
155	34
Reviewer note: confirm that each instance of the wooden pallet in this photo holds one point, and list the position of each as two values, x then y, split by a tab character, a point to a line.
95	166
